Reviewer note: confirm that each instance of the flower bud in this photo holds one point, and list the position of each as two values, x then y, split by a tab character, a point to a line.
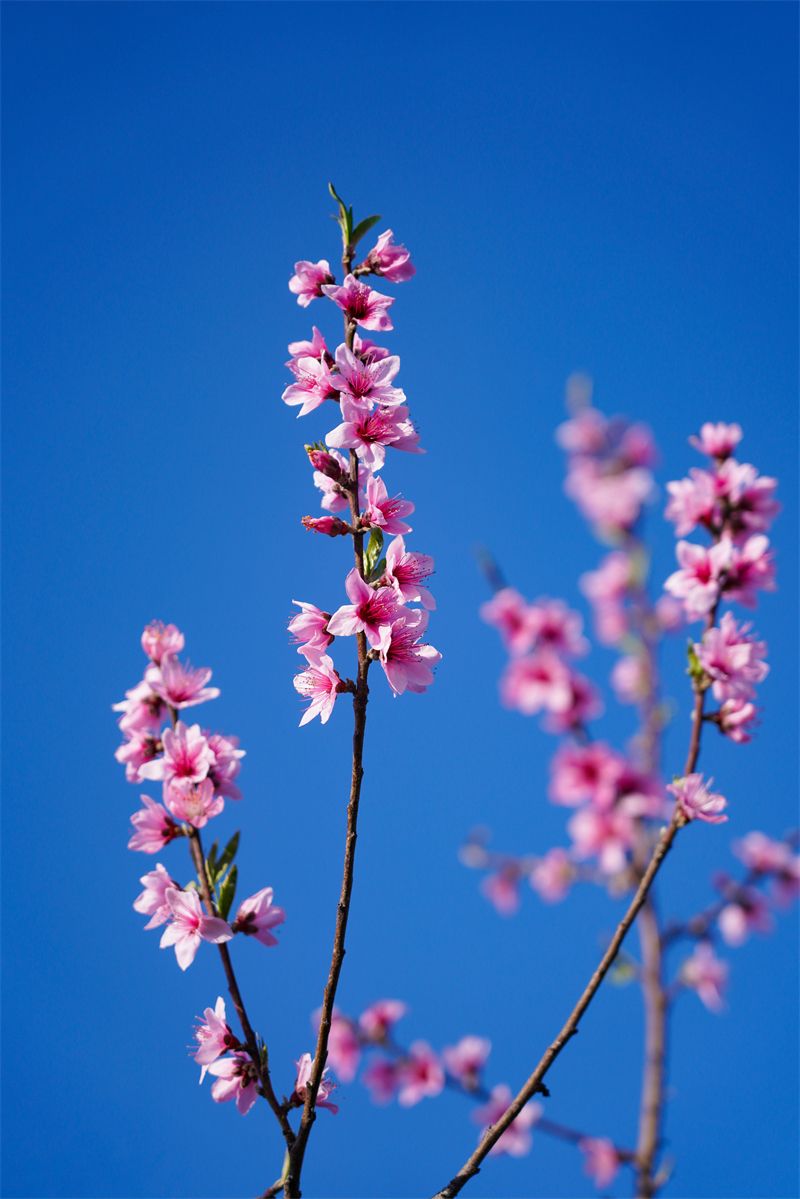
331	526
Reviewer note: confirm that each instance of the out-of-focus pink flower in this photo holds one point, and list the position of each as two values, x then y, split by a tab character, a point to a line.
189	926
608	836
553	875
154	827
693	501
406	571
607	588
584	705
465	1060
313	385
389	259
381	1079
502	890
751	503
180	685
406	660
187	755
384	511
194	802
611	500
377	1021
236	1079
307	281
159	639
319	682
326	1087
737	717
371	611
368	383
256	915
516	1140
717	440
153	900
507	612
630	678
732	659
344	1046
698	582
706	974
361	304
213	1036
535	682
747	914
669	613
369	433
601	1160
750	569
310	629
134	753
555	626
226	764
420	1075
696	801
762	853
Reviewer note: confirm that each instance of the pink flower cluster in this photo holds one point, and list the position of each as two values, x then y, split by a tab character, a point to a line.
608	470
359	376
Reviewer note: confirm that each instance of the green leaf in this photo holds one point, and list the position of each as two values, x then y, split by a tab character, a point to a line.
229	853
622	972
227	892
378	571
373	551
363	227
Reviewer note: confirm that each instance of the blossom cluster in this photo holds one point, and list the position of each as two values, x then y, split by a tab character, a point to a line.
359	377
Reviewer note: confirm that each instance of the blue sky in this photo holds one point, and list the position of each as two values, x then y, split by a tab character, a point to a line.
602	188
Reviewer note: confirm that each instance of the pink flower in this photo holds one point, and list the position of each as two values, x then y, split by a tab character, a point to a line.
316	348
226	764
420	1075
732	659
193	802
696	801
406	571
377	1021
310	629
669	613
381	1079
142	710
607	588
751	497
762	853
361	304
135	752
313	385
706	974
699	581
502	890
189	926
329	526
326	1087
717	440
213	1035
737	718
368	350
369	433
154	827
390	260
552	625
507	612
180	686
236	1079
585	773
371	612
608	836
368	383
750	569
693	501
552	876
630	678
406	660
187	755
344	1046
256	915
328	480
516	1140
584	704
465	1060
537	681
601	1159
307	281
748	913
385	512
611	500
159	639
319	682
153	900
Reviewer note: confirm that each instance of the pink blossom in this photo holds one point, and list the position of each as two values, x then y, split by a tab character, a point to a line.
700	578
737	717
502	890
213	1035
142	710
319	682
153	900
194	802
583	705
601	1159
329	526
344	1046
535	682
693	501
584	434
159	639
154	827
256	915
669	613
310	628
630	678
608	836
226	764
384	511
316	348
189	926
613	501
406	660
406	571
361	304
326	1087
516	1140
381	1079
763	854
369	433
465	1060
313	385
368	350
236	1079
371	612
717	440
552	876
389	259
751	497
748	913
607	588
368	383
420	1075
732	659
187	755
706	974
750	569
139	749
377	1021
308	279
552	625
328	480
696	801
179	685
507	611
